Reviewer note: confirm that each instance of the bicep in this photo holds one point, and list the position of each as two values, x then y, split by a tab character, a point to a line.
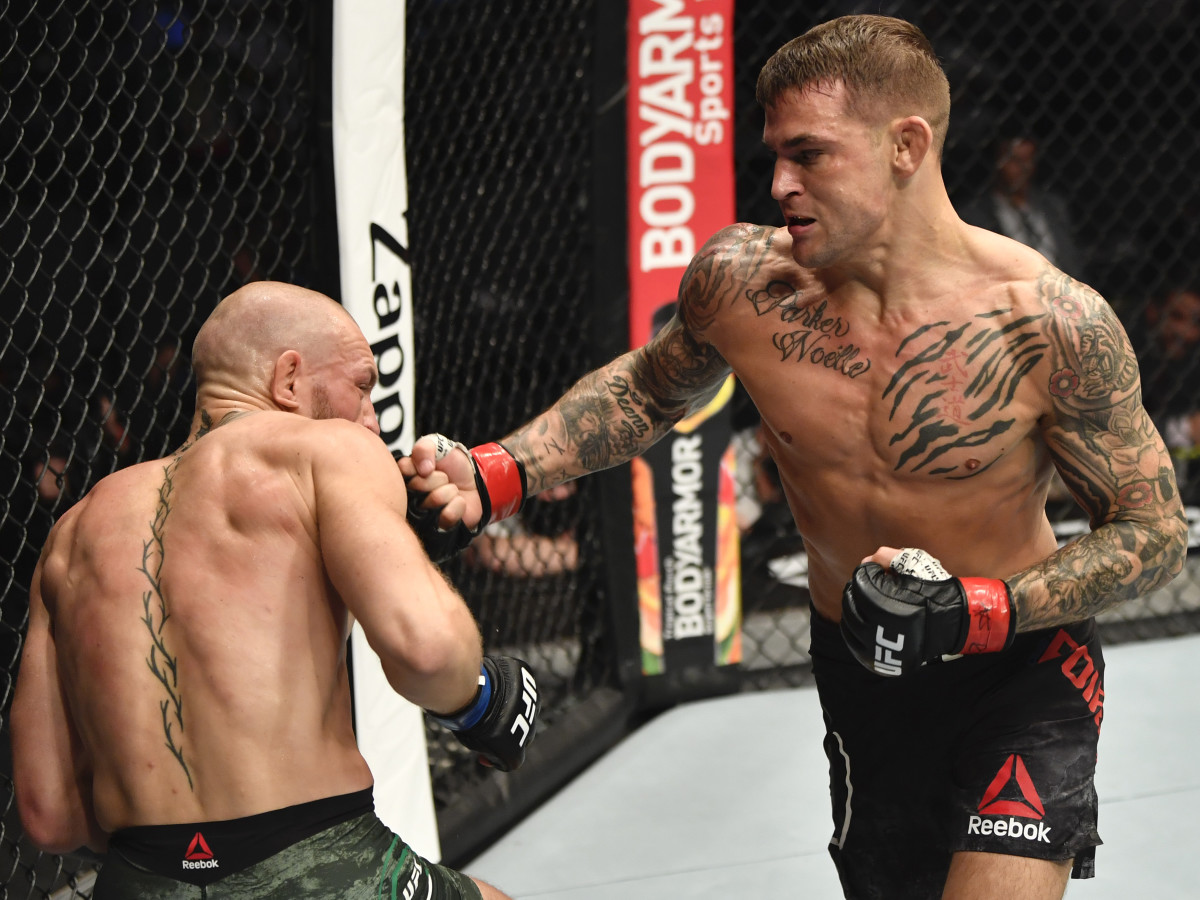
679	371
1104	444
371	555
680	367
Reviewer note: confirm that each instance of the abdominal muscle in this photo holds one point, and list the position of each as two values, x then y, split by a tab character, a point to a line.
993	528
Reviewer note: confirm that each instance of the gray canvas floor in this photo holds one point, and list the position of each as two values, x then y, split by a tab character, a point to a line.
727	798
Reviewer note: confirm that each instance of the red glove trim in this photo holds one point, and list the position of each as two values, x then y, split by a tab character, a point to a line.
502	477
991	625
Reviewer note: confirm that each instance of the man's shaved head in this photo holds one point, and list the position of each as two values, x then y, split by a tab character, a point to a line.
251	327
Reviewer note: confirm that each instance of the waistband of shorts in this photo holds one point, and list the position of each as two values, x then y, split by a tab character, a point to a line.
203	852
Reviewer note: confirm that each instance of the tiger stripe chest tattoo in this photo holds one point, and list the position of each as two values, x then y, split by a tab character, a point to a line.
947	390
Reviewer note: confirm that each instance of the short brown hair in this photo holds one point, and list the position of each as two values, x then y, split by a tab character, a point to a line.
883	62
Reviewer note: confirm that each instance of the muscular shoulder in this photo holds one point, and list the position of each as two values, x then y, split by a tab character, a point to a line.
731	262
347	455
285	440
1082	346
1090	354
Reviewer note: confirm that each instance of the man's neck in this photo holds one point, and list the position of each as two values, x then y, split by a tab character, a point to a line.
206	419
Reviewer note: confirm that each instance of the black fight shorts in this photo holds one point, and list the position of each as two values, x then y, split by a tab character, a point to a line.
331	849
993	753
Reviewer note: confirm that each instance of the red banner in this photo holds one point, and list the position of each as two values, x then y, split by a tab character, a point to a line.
681	191
680	143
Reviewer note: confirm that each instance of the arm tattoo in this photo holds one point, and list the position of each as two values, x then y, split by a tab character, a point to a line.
1113	461
729	261
156	612
616	412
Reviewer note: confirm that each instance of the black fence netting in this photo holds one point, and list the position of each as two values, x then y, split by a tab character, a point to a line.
156	155
499	121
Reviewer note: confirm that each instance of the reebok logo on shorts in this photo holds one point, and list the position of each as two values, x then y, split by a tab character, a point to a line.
1011	793
199	855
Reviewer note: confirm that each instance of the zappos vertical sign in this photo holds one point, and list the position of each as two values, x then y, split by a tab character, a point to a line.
372	197
391	333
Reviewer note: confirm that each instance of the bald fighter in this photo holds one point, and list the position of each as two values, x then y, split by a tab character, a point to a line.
183	702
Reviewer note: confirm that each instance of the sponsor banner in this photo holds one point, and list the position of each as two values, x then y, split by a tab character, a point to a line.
681	191
372	199
686	540
679	126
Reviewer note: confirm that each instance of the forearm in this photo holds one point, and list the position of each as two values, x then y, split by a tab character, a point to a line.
608	417
439	670
1118	561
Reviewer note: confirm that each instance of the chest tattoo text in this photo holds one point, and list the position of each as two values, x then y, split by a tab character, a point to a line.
810	335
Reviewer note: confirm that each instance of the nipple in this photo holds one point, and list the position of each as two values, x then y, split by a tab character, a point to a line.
787	438
972	465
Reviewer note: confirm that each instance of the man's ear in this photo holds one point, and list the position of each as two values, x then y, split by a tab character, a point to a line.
913	141
284	381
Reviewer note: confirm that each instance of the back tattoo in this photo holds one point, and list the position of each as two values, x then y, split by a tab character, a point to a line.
156	610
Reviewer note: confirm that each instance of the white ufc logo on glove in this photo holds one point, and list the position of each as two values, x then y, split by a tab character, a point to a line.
885	663
524	721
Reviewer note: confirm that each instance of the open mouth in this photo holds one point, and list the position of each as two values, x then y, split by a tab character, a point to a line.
799	220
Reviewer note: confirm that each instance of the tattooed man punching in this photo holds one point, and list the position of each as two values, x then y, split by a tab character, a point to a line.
183	702
919	381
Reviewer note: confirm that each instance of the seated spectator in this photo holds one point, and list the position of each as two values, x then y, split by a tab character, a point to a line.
1018	207
1168	344
537	543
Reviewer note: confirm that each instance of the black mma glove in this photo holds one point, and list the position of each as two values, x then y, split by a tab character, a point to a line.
502	485
499	723
440	544
896	620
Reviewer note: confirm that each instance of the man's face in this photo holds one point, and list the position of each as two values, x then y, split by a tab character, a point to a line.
342	382
1016	165
1180	323
832	176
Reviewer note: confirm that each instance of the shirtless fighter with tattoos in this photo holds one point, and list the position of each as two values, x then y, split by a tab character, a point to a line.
183	701
919	380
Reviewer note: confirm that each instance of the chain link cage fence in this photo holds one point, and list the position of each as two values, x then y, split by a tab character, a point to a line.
499	120
157	155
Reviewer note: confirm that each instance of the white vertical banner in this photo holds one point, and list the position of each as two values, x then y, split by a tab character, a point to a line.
376	281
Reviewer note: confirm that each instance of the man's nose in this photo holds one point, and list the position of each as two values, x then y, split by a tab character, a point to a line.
370	420
784	181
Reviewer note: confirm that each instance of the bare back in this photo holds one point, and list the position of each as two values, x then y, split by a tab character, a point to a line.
917	422
200	644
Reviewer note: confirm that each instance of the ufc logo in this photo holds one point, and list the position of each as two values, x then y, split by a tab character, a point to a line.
524	721
414	882
885	662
